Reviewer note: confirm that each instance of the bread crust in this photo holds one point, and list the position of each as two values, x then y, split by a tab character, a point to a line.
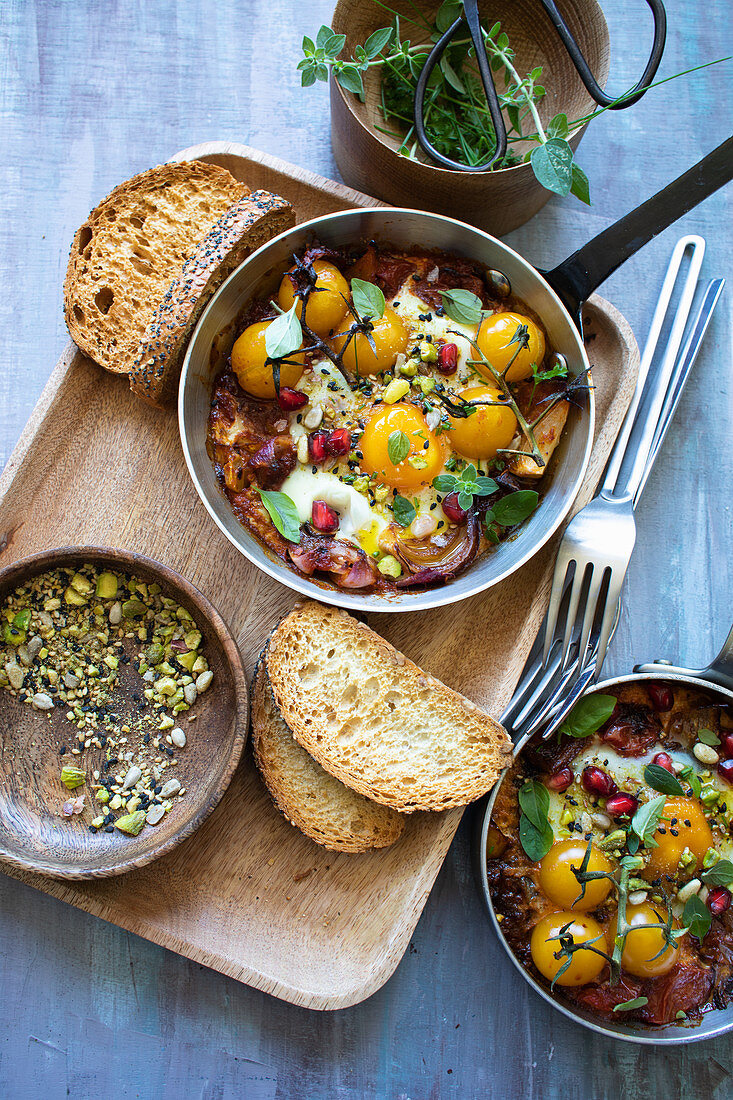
131	247
312	800
376	721
245	226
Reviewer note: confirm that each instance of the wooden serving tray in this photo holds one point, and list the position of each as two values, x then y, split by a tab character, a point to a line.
248	894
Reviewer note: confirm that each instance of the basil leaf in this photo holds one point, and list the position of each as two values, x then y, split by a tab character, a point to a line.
693	779
350	79
535	842
661	780
284	334
462	306
708	737
445	483
398	447
627	1006
376	41
404	511
646	819
283	513
552	165
514	508
368	299
696	917
580	185
534	799
588	715
720	874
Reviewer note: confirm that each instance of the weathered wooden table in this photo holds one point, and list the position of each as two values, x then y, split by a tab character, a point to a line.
93	92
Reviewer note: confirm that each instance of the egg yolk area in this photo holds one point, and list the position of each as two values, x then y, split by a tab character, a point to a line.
645	954
559	884
686	827
254	373
325	304
486	431
585	964
389	336
424	459
494	338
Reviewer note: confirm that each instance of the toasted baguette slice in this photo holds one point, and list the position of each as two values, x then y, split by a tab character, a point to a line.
243	228
131	247
311	799
375	720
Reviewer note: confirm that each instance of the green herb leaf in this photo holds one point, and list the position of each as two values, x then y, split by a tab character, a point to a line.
535	842
552	165
462	306
333	46
283	513
465	500
398	447
350	80
377	41
447	13
693	779
307	77
646	819
534	799
628	1006
588	715
696	917
708	737
720	874
445	483
284	334
404	511
661	780
559	370
368	299
308	46
580	186
452	76
514	508
323	36
485	487
557	127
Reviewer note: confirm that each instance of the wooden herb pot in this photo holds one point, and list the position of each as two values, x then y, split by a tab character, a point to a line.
496	201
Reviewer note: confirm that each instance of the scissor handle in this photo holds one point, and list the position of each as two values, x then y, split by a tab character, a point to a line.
592	87
471	16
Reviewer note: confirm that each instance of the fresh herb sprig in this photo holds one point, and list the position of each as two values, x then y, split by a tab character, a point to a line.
468	484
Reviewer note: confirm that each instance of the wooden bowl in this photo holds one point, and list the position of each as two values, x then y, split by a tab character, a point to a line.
495	201
33	834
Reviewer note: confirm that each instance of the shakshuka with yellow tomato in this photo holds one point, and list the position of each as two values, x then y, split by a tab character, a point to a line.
385	417
610	855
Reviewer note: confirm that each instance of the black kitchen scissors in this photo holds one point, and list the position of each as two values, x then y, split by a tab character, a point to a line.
471	17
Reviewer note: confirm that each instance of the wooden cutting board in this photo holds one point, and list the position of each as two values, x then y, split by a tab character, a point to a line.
248	894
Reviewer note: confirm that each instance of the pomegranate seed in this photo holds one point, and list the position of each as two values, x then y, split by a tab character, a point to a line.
726	744
324	517
289	400
596	781
660	695
664	760
339	442
453	510
725	768
448	358
718	900
561	780
317	446
619	805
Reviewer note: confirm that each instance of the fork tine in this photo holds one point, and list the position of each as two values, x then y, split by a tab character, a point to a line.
556	596
597	578
573	604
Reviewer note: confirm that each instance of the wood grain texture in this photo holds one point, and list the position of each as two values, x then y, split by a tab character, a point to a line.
332	937
89	1008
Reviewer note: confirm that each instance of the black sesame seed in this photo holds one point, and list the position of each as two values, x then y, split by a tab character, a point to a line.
92	828
674	832
62	750
109	828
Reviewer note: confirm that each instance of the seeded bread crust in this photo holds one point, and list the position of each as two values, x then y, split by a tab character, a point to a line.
131	247
243	228
324	809
376	721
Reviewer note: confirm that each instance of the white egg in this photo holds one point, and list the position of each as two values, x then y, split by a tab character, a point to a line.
303	487
409	309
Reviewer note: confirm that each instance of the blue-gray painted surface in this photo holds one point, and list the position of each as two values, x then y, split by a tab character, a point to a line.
91	92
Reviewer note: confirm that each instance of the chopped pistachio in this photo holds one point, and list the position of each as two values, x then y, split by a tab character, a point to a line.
711	857
192	640
107	586
388	566
395	391
131	823
186	660
102	796
613	840
73	777
81	584
154	654
133	609
428	352
115	802
74	598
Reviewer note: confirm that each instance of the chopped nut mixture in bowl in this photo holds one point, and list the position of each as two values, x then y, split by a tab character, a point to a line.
123	711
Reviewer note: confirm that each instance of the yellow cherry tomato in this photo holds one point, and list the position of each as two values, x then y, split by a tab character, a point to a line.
325	306
249	363
643	944
585	965
390	338
560	885
494	338
687	827
420	464
491	427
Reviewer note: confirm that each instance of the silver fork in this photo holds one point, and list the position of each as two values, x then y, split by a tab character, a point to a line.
597	545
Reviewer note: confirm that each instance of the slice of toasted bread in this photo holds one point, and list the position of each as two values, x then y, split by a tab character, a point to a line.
311	799
375	720
251	222
131	247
